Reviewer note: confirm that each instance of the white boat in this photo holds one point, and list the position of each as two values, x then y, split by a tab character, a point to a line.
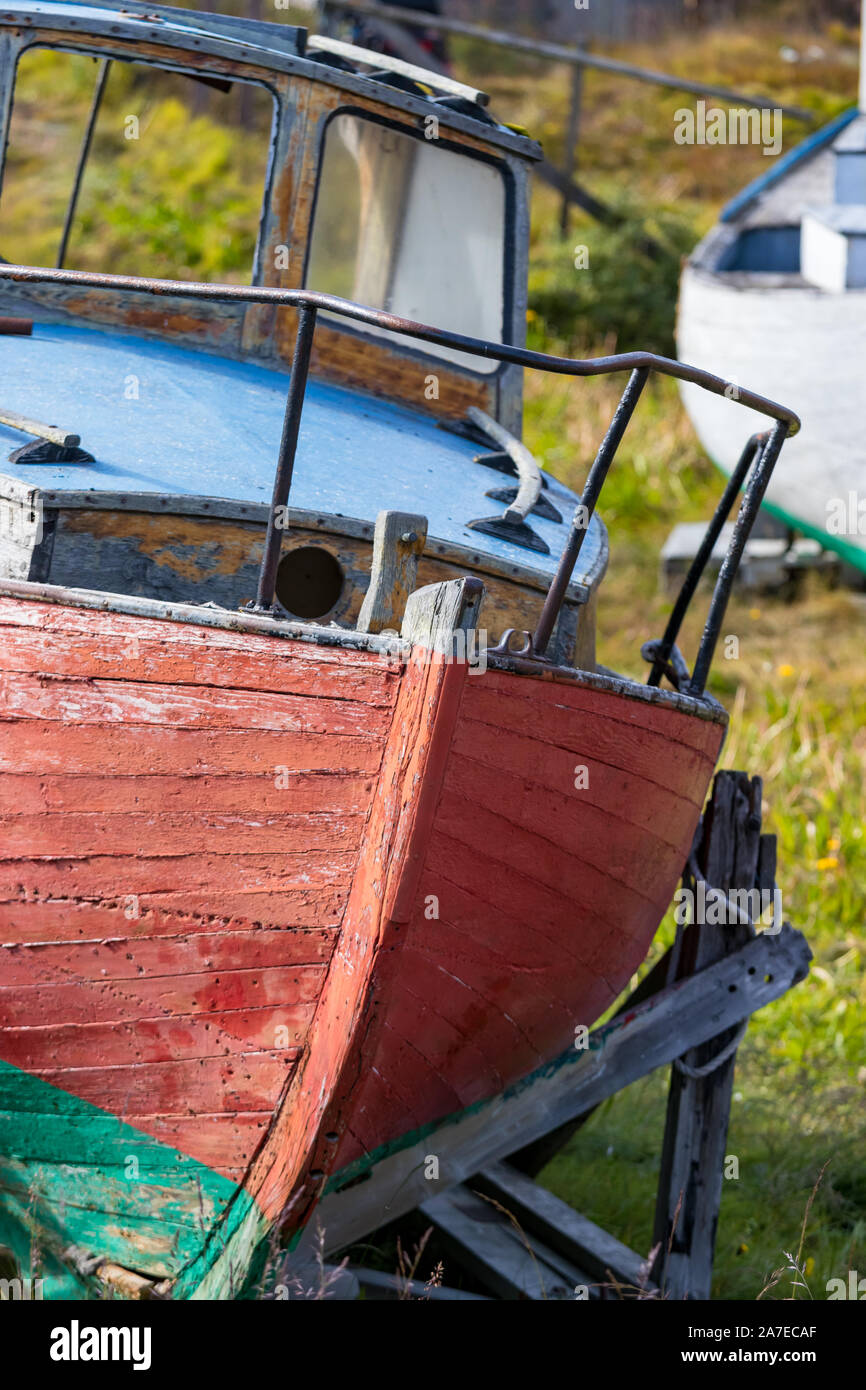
776	295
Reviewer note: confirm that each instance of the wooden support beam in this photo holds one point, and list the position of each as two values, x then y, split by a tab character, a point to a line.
509	1261
689	1012
572	136
696	1128
398	543
579	1240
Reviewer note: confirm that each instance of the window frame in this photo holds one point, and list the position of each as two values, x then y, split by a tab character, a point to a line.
408	346
123	54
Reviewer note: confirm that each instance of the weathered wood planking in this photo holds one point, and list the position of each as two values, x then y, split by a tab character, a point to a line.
538	897
301	1147
220	853
696	1126
169	898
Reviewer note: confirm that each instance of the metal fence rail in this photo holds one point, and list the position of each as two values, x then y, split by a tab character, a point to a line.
556	52
394	20
638	364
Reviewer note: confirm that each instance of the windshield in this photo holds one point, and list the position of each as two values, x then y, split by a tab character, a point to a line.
172	169
406	225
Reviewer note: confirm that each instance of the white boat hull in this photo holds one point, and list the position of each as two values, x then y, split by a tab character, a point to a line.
799	345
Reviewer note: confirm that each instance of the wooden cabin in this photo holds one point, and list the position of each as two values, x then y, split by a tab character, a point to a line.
394	188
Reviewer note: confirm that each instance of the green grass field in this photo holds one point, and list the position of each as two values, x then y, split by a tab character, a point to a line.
796	693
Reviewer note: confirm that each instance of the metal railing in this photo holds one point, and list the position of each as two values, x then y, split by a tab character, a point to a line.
758	459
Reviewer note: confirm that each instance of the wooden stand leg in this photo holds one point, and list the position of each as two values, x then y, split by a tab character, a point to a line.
730	856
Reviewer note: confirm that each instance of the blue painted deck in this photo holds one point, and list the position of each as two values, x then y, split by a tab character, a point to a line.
207	426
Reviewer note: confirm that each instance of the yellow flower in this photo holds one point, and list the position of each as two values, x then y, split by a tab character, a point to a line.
754	612
742	1248
786	670
834	844
831	862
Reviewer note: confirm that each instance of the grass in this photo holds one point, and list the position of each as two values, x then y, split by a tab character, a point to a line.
796	690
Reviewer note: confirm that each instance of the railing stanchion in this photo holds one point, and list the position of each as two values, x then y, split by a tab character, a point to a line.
583	515
752	500
288	448
750	455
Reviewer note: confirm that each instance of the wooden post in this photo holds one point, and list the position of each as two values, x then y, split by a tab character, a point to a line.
696	1128
397	544
438	613
572	135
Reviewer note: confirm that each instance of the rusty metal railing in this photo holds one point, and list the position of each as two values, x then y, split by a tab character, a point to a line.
761	453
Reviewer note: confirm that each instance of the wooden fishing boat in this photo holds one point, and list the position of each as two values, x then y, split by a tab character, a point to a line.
776	295
295	861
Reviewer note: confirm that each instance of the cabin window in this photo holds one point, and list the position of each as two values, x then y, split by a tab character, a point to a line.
173	175
412	227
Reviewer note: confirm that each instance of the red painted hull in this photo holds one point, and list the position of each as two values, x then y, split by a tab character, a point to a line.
563	822
277	903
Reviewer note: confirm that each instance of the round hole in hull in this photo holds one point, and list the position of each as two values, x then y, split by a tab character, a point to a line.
309	582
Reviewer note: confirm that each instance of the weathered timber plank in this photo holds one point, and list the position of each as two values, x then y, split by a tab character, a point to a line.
398	543
378	1285
561	1227
293	988
481	750
53	1137
531	1005
301	793
169	914
543	861
577	720
191	657
597	907
615	848
120	958
45	746
180	1038
107	876
435	614
696	1126
510	1262
97	701
54	608
73	834
625	702
241	1082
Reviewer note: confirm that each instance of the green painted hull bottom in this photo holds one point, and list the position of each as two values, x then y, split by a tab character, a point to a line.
854	555
74	1175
